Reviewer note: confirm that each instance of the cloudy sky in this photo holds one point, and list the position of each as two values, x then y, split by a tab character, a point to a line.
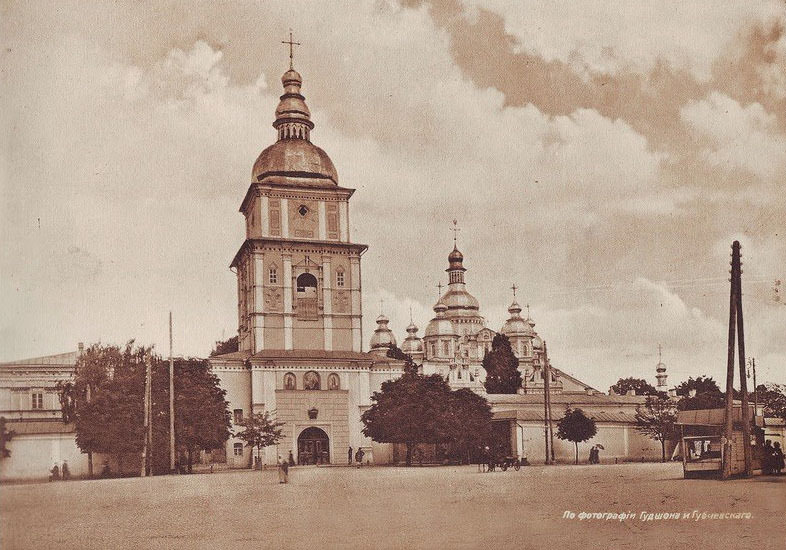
601	155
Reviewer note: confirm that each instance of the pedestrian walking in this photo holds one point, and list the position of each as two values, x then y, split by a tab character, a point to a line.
359	457
283	470
291	459
66	473
54	473
349	456
777	458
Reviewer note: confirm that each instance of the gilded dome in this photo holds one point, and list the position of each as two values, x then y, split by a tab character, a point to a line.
412	344
440	325
459	299
293	154
295	158
383	337
516	324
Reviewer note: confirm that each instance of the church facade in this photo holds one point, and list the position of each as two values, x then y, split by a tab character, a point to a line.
299	305
299	302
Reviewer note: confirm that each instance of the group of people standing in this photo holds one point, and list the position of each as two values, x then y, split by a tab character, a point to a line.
772	460
594	456
57	473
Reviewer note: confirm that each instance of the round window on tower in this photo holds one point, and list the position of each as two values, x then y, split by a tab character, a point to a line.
302	209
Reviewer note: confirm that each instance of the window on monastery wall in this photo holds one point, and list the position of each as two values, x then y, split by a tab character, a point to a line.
238	449
446	349
306	293
333	381
289	381
237	415
37	400
311	381
272	275
339	278
433	350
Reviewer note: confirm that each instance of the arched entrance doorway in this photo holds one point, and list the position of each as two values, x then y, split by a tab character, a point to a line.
313	447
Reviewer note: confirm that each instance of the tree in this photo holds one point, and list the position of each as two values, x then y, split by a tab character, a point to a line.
225	346
576	427
260	431
468	421
639	385
202	419
105	401
409	410
699	393
501	365
656	420
5	437
773	396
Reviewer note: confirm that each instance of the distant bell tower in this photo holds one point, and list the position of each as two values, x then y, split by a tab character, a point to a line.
660	370
298	273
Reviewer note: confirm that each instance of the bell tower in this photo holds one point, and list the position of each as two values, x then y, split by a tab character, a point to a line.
298	273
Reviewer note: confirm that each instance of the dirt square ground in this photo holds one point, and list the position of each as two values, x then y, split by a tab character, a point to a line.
396	507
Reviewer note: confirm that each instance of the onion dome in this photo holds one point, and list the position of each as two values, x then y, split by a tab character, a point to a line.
440	325
412	344
293	154
456	259
383	338
516	325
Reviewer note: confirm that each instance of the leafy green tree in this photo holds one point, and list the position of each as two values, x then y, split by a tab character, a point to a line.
409	410
638	385
105	401
656	420
225	346
202	418
468	422
5	437
260	431
576	427
501	365
699	393
774	398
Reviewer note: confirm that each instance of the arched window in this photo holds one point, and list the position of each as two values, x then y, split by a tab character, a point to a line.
272	275
433	350
340	277
333	381
307	284
307	304
290	382
446	349
238	449
311	381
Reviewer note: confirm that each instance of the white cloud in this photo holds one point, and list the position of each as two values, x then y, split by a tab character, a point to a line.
599	36
738	137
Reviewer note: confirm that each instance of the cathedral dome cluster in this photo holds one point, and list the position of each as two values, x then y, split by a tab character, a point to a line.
456	339
293	155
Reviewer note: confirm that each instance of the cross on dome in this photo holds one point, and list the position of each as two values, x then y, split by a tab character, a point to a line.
291	50
514	288
455	230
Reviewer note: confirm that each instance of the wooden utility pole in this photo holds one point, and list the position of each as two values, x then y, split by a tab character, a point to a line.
746	426
735	322
171	401
547	391
145	445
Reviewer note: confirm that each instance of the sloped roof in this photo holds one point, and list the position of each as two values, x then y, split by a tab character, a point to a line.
709	417
61	359
567	398
538	415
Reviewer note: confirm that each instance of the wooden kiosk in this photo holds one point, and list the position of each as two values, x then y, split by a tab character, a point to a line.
702	442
